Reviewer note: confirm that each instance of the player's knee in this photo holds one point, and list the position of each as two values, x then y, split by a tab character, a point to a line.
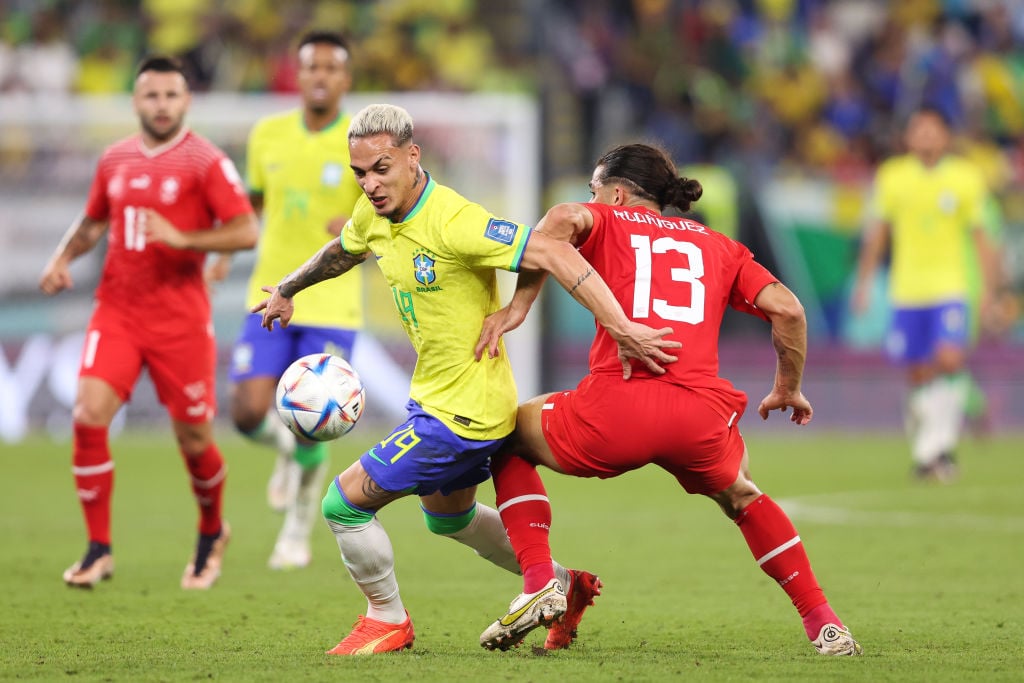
248	410
93	411
85	415
949	361
193	438
738	496
448	525
246	420
338	511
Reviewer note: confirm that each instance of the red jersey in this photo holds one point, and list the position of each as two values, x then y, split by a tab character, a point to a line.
673	272
192	184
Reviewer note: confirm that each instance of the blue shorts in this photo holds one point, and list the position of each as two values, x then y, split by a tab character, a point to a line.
916	333
422	456
259	353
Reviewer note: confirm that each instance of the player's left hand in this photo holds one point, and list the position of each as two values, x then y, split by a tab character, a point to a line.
780	400
275	307
159	229
495	325
646	344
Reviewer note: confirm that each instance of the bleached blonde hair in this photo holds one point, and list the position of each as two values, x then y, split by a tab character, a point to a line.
377	119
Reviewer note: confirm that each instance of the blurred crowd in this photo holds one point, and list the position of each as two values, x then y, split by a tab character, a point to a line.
820	84
812	84
92	46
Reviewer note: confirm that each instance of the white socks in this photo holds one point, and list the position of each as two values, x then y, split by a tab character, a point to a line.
370	559
935	417
303	512
367	553
486	535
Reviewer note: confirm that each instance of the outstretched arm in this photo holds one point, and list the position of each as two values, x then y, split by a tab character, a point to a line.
586	286
330	262
789	337
80	238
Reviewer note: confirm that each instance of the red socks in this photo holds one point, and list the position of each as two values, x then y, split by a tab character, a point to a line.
778	550
525	511
94	479
208	471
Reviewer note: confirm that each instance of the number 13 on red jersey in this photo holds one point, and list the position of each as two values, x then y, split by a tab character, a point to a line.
645	250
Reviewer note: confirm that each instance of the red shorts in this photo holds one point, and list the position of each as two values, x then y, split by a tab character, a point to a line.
181	364
608	426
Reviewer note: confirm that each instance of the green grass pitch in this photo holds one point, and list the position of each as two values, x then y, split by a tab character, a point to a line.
928	577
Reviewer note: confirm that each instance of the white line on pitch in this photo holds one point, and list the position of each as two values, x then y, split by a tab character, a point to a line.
847	516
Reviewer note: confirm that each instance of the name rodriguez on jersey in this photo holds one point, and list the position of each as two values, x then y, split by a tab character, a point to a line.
659	221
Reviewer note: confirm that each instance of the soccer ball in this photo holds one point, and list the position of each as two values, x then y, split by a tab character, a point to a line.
320	397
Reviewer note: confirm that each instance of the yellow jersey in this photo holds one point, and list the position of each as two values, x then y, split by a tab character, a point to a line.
931	213
305	181
440	263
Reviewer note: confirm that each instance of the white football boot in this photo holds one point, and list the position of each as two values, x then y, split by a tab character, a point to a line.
836	641
527	612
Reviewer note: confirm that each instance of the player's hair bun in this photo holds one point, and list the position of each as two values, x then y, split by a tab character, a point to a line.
683	192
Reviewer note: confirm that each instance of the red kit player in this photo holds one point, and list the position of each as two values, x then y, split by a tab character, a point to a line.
164	197
664	271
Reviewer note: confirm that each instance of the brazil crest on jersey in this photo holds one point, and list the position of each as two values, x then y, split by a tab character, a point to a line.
440	263
305	180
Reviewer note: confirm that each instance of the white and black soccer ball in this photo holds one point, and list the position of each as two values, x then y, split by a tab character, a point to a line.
320	397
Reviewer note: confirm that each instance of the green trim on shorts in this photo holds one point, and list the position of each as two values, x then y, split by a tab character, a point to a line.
338	510
445	525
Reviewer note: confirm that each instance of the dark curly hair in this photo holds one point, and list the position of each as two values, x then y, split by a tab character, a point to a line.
650	174
161	64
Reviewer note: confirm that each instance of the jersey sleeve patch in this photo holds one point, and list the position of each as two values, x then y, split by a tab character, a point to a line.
501	231
227	167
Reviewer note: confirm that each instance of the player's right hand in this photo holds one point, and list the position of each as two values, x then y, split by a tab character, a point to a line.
275	307
56	278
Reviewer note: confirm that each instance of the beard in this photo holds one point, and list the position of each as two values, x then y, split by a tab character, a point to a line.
160	135
319	108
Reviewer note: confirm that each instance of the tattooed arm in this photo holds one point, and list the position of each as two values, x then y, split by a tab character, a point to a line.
330	262
578	277
80	238
566	222
789	337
